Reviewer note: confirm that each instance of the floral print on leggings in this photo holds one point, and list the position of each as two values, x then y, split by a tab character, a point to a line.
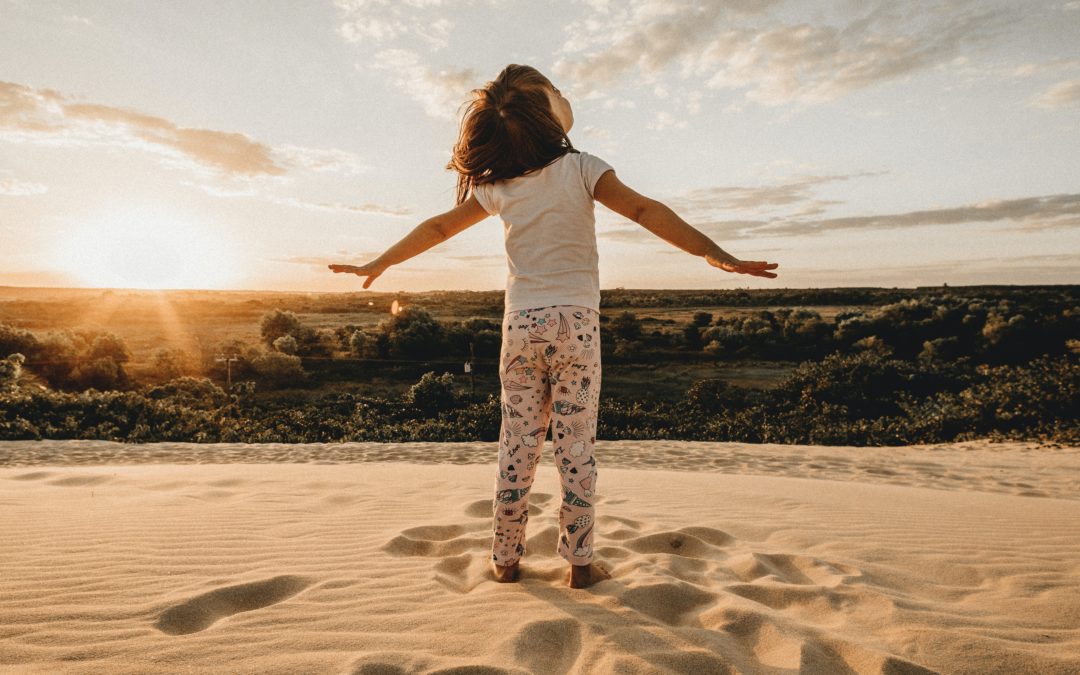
550	373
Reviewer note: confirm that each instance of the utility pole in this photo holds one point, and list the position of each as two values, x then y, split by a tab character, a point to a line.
469	370
228	360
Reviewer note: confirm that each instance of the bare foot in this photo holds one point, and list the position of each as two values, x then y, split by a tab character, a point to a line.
507	574
583	576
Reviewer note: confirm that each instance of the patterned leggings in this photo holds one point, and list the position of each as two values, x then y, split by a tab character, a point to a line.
549	363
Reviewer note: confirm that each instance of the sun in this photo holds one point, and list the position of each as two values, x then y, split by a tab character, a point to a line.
145	247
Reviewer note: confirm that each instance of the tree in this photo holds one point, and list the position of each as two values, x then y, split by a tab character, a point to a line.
413	333
692	337
277	324
625	326
309	342
702	319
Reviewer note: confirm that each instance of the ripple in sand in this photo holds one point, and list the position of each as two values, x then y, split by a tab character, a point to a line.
680	542
670	602
33	475
203	611
548	646
81	480
791	569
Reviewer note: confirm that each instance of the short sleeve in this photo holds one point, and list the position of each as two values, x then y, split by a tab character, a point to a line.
592	167
485	194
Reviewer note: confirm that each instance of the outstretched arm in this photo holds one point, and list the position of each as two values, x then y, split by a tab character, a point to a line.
432	231
666	224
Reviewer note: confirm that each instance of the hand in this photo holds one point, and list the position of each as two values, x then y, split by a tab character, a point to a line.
730	263
371	270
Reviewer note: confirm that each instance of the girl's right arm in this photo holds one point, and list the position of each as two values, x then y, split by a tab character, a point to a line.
432	231
666	224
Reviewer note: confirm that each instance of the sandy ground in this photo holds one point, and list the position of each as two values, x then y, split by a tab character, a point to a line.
373	558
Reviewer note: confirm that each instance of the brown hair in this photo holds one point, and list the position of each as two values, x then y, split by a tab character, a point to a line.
508	130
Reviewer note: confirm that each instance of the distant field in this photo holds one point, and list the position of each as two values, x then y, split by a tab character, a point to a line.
196	321
150	319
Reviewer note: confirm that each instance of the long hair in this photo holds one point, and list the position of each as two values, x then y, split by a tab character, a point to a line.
508	130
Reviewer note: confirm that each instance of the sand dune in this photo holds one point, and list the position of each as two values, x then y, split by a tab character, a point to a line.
1028	469
723	561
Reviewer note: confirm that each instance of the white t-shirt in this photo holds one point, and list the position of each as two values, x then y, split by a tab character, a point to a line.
550	232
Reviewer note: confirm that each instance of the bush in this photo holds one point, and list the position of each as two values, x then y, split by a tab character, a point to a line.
432	394
196	392
81	360
276	369
169	364
286	344
309	342
10	370
625	326
15	340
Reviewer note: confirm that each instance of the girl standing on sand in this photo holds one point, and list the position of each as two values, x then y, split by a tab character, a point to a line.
514	159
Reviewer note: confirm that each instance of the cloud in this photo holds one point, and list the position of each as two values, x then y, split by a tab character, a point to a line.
665	120
260	192
441	92
321	261
1063	93
755	199
75	18
1025	269
774	60
476	260
717	229
381	21
12	187
711	209
378	209
391	28
49	117
44	115
1044	212
789	209
322	160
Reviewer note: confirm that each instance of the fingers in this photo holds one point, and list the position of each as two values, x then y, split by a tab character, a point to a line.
755	268
351	269
358	271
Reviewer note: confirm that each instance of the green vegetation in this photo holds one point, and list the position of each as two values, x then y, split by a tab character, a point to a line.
946	365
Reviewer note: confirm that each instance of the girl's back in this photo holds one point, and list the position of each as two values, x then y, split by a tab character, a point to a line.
514	159
550	231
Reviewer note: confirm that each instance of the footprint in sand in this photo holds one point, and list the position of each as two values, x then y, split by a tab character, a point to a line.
484	508
689	542
434	541
464	550
203	611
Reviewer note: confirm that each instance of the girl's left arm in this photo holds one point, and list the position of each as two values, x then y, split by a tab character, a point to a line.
432	231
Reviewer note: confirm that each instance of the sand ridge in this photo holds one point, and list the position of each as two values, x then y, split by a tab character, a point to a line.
1030	469
382	567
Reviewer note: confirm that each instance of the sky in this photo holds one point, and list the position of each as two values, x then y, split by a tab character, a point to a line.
248	144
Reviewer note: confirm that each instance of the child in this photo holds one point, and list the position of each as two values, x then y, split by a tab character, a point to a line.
514	158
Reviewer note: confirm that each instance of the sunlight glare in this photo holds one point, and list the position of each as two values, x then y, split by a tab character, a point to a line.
149	249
